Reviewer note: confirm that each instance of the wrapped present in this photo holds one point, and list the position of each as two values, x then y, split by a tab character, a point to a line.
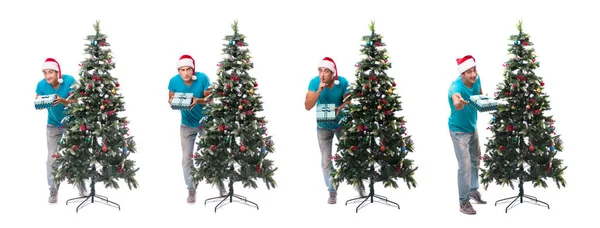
326	113
484	103
44	101
182	101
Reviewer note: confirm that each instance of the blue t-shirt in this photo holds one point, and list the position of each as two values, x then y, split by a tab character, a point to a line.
334	95
192	117
464	120
56	113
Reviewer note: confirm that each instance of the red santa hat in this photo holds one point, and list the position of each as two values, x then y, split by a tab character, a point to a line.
52	64
186	60
465	63
330	64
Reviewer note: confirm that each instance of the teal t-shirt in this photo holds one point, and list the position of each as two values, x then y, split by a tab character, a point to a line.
56	113
464	120
192	117
334	96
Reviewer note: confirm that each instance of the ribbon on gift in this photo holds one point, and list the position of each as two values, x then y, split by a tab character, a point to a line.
324	111
182	101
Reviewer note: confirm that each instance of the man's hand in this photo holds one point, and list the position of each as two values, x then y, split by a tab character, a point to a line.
170	99
459	102
194	102
59	100
322	85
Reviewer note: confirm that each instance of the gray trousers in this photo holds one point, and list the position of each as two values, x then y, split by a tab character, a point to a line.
325	139
53	136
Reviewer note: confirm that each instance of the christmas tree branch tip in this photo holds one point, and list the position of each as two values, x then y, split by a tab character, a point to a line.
97	26
372	26
234	26
520	26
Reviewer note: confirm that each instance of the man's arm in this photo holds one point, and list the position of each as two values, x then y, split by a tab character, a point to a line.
338	109
207	92
200	101
312	97
480	91
64	101
459	102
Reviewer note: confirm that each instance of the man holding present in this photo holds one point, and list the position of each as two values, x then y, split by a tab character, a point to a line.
190	81
56	83
463	131
328	89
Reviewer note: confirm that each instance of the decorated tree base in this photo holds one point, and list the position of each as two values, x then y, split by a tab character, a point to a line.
520	198
230	195
371	196
91	198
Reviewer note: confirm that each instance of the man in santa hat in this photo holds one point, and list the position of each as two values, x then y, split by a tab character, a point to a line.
463	131
328	88
55	82
190	81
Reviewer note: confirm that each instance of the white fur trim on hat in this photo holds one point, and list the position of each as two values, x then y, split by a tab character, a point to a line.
50	65
464	66
329	65
194	77
185	62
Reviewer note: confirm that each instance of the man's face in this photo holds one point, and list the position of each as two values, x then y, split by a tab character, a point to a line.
326	75
186	73
470	75
51	76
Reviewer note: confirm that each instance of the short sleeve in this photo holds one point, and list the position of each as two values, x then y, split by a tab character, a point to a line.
206	83
171	85
454	88
314	84
38	89
345	89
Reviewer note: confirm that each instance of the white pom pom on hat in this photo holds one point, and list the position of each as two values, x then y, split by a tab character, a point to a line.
187	60
330	64
52	64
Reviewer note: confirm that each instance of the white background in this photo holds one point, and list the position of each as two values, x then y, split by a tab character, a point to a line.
287	41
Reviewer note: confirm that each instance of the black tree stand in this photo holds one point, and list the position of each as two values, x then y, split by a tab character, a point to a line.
521	196
371	194
93	195
231	195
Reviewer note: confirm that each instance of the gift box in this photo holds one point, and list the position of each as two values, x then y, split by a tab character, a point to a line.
326	113
44	101
182	101
484	103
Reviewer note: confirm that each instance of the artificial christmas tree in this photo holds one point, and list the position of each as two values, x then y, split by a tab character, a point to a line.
375	144
97	144
524	142
236	144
